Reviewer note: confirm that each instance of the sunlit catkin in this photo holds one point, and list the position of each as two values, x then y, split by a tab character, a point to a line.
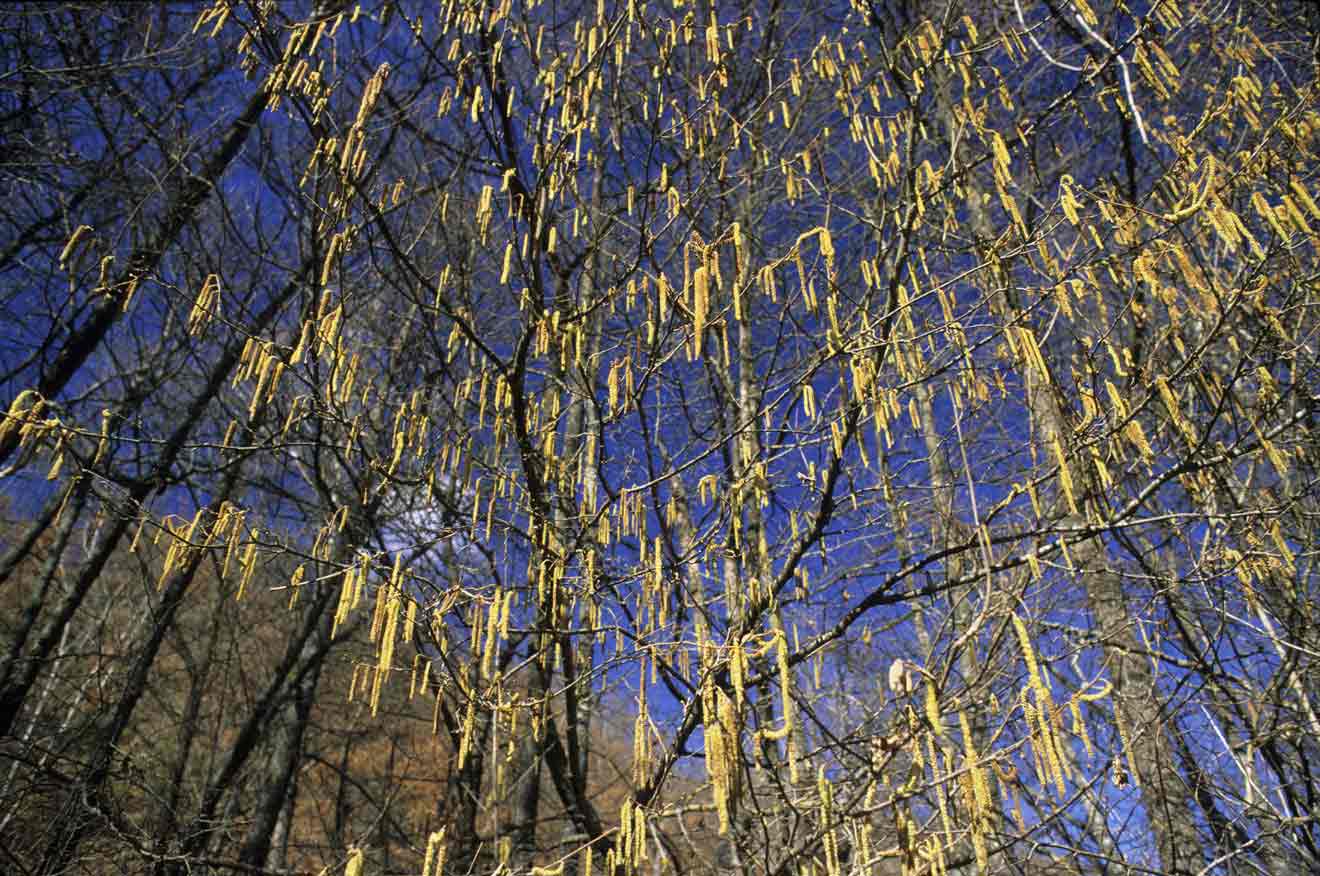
469	724
23	410
829	839
639	835
385	656
977	793
1044	711
624	845
700	303
1126	742
738	673
68	256
786	695
1079	726
721	749
433	863
205	305
641	747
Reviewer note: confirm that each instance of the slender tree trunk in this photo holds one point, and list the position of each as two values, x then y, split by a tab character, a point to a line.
290	728
167	818
527	802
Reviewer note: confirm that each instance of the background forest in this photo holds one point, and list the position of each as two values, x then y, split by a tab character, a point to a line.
556	437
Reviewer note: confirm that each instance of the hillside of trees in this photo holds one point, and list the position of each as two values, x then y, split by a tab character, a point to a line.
645	437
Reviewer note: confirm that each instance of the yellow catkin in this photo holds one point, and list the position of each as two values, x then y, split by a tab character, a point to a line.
410	621
66	255
492	637
378	614
977	793
639	834
1126	742
24	409
469	722
55	467
980	787
205	305
1062	766
1033	731
980	848
786	692
354	865
418	660
1065	475
737	673
1051	744
729	721
700	303
1066	199
1206	186
932	757
1044	706
830	839
1028	652
827	248
641	754
715	754
1079	726
1304	197
434	861
249	565
385	656
624	845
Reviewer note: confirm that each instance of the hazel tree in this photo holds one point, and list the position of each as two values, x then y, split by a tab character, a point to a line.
900	413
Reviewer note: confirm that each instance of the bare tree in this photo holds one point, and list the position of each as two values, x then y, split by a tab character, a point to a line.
543	438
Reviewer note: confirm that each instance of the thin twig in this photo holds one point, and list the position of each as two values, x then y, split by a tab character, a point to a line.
1022	19
1127	76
